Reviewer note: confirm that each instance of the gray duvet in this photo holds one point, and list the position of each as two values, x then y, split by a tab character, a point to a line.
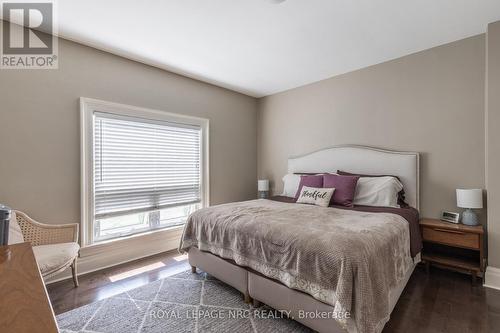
348	259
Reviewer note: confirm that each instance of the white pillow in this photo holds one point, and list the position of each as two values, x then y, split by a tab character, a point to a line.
290	185
15	234
377	191
315	195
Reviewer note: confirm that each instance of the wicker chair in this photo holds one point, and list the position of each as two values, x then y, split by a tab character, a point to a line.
55	246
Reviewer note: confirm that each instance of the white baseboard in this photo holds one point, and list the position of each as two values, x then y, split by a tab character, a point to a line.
100	256
492	277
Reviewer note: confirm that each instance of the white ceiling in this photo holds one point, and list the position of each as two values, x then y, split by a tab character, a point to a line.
261	47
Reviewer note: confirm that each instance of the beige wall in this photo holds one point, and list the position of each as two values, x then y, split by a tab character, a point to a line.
39	127
431	102
493	142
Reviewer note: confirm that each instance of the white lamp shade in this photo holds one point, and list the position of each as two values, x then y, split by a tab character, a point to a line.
470	198
263	185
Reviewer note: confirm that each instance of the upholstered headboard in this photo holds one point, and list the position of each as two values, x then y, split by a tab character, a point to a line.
364	160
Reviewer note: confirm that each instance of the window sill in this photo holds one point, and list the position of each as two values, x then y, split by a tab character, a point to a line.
118	251
133	240
139	234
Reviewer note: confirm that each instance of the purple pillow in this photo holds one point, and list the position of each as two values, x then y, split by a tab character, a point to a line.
310	181
345	187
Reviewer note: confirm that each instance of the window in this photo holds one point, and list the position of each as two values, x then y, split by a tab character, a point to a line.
142	169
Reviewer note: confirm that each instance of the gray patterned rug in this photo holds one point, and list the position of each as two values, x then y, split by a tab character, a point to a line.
185	302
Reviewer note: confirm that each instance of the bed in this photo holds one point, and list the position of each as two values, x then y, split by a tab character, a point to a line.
333	269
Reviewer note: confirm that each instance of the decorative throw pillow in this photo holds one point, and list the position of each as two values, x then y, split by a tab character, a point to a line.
315	196
345	188
310	181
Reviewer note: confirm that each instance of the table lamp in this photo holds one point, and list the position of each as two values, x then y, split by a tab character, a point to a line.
470	199
263	188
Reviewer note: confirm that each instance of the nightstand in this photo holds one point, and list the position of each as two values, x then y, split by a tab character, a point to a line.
455	246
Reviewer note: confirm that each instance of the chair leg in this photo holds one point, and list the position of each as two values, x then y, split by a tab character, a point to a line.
73	271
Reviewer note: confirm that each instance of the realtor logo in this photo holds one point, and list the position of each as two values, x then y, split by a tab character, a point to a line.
28	40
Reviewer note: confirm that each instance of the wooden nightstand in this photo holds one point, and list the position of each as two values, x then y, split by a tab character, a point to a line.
455	246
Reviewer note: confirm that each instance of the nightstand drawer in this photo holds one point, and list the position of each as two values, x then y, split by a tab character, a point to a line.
451	237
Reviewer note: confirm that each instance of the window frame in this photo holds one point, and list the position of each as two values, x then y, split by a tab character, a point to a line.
87	108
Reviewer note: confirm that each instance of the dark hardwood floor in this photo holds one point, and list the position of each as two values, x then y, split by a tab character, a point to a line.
445	301
441	301
115	280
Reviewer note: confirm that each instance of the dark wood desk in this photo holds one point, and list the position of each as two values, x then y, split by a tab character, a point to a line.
24	304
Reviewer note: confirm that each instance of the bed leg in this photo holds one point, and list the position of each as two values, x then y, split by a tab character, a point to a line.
193	269
246	298
256	303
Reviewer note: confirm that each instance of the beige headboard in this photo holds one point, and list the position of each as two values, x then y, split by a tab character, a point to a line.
364	160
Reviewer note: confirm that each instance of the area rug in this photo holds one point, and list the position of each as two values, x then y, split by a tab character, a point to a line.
185	302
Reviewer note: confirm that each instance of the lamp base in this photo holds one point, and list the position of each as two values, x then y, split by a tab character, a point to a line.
263	194
469	217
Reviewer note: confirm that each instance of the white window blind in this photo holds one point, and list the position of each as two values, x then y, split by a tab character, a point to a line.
142	165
